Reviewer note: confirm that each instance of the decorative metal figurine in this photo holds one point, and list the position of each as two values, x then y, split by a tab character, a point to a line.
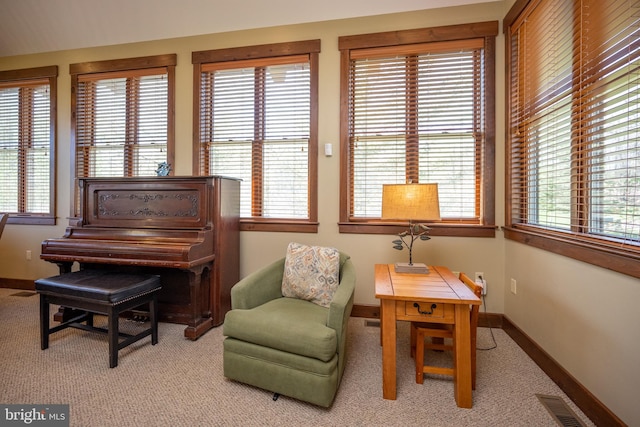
415	231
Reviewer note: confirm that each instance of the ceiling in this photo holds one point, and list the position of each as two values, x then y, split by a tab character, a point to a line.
36	26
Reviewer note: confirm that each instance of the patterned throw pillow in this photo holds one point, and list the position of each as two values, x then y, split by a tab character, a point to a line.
311	273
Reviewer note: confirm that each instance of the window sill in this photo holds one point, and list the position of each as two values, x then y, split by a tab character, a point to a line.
616	258
439	229
283	225
31	219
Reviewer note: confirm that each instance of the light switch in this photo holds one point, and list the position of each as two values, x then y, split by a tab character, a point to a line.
328	150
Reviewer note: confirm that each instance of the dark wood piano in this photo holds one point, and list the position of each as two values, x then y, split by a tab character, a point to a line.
183	228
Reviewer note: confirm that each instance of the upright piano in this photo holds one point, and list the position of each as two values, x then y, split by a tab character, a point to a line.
186	229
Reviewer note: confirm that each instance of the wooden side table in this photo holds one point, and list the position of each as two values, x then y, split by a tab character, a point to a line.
436	297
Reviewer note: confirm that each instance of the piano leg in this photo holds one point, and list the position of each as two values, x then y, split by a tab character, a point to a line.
201	320
64	267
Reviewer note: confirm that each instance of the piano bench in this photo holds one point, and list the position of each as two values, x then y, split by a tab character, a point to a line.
99	292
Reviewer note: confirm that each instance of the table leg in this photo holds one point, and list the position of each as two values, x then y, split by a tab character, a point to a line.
381	317
462	355
388	334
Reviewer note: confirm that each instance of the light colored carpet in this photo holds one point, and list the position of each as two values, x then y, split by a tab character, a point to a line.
180	383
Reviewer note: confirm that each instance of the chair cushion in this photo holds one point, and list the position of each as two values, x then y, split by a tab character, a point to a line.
287	324
311	273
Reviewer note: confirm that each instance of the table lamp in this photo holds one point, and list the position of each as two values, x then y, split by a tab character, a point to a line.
411	202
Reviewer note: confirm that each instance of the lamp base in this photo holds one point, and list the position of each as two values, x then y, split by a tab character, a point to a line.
415	268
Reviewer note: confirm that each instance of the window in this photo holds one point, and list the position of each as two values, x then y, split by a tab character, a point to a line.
418	106
574	129
256	120
27	144
123	121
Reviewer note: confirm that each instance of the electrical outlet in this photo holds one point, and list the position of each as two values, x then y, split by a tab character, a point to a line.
514	288
481	280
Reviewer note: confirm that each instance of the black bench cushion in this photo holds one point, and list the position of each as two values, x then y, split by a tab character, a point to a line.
99	285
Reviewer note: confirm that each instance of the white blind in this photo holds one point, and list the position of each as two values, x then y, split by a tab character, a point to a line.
25	144
418	117
121	124
255	125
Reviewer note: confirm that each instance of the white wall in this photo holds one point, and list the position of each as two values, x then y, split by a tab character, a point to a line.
583	316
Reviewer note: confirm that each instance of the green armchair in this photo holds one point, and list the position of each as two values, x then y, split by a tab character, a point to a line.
289	346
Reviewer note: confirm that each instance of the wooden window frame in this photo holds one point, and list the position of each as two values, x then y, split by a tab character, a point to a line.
229	55
45	75
121	67
486	182
575	244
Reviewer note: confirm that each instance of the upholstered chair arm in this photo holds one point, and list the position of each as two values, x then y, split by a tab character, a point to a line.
259	287
342	303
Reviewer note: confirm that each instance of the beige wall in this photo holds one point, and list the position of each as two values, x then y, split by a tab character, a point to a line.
584	316
580	314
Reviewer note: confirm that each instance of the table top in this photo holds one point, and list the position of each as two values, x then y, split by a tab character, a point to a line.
439	285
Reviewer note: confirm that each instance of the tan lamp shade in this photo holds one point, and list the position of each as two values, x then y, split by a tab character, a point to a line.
410	202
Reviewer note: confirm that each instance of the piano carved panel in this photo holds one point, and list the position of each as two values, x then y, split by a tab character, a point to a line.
151	205
184	228
145	204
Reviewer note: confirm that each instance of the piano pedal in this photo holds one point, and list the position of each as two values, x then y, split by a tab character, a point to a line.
140	316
